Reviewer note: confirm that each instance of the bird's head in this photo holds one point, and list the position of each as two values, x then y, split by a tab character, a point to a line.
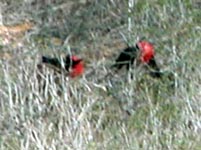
146	51
77	68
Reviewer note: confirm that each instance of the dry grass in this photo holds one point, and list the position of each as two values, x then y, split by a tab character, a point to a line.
93	111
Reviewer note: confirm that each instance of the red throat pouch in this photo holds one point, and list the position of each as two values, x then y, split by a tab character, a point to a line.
147	51
77	69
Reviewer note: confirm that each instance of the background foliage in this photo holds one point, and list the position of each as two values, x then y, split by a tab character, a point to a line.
94	111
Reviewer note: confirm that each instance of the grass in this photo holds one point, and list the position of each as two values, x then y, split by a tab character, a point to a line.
93	112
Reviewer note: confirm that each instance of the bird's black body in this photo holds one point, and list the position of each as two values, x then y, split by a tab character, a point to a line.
68	62
52	61
126	58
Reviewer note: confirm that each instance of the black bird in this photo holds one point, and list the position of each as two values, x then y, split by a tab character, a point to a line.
144	52
68	62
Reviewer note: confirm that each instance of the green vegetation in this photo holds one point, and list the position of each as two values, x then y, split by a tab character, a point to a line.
100	111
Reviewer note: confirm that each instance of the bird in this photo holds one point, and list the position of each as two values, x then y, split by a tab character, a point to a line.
71	63
143	52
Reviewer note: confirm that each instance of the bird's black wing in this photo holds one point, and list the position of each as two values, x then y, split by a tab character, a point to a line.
126	57
52	61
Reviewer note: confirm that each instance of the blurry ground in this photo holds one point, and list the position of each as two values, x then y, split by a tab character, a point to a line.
93	111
